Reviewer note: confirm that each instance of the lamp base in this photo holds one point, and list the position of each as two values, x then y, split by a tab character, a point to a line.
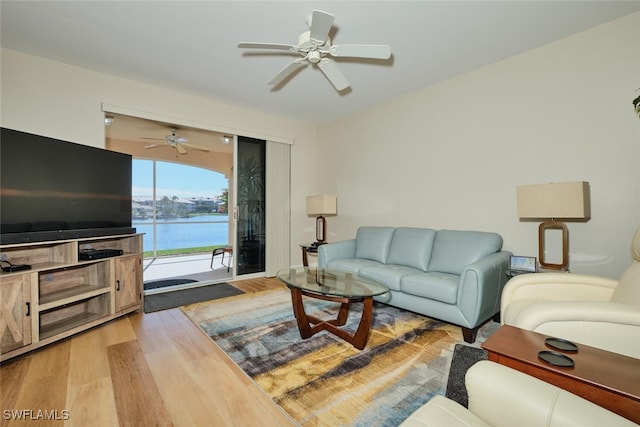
321	230
553	225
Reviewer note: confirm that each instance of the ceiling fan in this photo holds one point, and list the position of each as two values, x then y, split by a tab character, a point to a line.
315	48
175	141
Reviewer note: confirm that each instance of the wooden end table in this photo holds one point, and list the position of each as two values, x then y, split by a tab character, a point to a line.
607	379
310	248
337	286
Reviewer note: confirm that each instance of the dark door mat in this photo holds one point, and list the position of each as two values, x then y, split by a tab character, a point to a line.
464	357
172	299
165	283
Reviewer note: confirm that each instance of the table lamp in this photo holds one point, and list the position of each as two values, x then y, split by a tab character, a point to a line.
549	202
319	206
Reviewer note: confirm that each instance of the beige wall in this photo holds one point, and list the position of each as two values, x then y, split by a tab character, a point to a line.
448	156
61	101
451	155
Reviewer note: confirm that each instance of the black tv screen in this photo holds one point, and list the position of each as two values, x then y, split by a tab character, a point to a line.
52	189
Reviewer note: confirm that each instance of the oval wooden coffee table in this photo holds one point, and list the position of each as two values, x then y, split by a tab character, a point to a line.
337	286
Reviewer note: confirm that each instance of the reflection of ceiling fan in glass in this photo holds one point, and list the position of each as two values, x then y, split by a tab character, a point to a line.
175	141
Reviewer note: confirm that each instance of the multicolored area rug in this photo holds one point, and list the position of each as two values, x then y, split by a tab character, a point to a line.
324	381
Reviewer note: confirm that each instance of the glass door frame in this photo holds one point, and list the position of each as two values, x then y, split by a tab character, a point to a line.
247	248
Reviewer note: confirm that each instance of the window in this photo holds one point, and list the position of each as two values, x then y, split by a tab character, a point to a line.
180	208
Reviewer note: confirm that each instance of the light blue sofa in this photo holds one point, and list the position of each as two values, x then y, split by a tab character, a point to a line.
455	276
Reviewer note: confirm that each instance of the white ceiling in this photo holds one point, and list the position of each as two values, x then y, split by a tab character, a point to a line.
191	46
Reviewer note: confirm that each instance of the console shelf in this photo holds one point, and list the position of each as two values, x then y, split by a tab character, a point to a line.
61	295
60	319
70	295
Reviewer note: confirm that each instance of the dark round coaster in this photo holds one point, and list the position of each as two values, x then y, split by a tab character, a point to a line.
560	344
556	359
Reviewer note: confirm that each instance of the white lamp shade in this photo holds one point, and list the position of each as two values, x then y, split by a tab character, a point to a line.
555	200
322	205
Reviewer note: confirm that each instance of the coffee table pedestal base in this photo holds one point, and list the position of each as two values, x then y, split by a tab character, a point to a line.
311	325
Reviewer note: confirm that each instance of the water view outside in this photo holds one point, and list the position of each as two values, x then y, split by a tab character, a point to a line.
184	233
190	208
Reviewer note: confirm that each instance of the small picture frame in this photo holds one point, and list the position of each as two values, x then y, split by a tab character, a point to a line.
523	263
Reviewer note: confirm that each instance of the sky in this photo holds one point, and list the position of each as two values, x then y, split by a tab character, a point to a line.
178	180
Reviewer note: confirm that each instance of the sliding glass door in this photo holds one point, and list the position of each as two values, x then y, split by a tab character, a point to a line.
250	206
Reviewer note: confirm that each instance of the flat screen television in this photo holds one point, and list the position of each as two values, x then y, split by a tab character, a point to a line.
52	189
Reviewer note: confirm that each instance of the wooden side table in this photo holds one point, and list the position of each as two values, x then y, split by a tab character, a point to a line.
308	248
607	379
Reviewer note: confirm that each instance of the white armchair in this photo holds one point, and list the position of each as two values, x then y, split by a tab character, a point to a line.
503	397
590	310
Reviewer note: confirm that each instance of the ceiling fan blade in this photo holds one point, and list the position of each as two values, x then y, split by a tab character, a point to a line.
278	46
180	148
335	76
287	71
321	23
373	51
197	147
152	145
152	139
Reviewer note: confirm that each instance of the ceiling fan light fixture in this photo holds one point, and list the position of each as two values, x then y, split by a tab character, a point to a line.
314	56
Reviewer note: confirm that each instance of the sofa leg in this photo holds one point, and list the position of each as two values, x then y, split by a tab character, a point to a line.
496	317
469	335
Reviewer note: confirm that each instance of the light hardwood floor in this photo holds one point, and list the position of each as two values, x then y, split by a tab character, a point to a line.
156	369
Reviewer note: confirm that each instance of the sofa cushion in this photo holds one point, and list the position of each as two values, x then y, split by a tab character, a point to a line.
454	250
388	274
411	247
352	265
373	243
433	285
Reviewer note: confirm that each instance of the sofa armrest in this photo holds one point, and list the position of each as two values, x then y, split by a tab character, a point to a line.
336	250
443	412
610	326
540	313
504	397
480	287
557	287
